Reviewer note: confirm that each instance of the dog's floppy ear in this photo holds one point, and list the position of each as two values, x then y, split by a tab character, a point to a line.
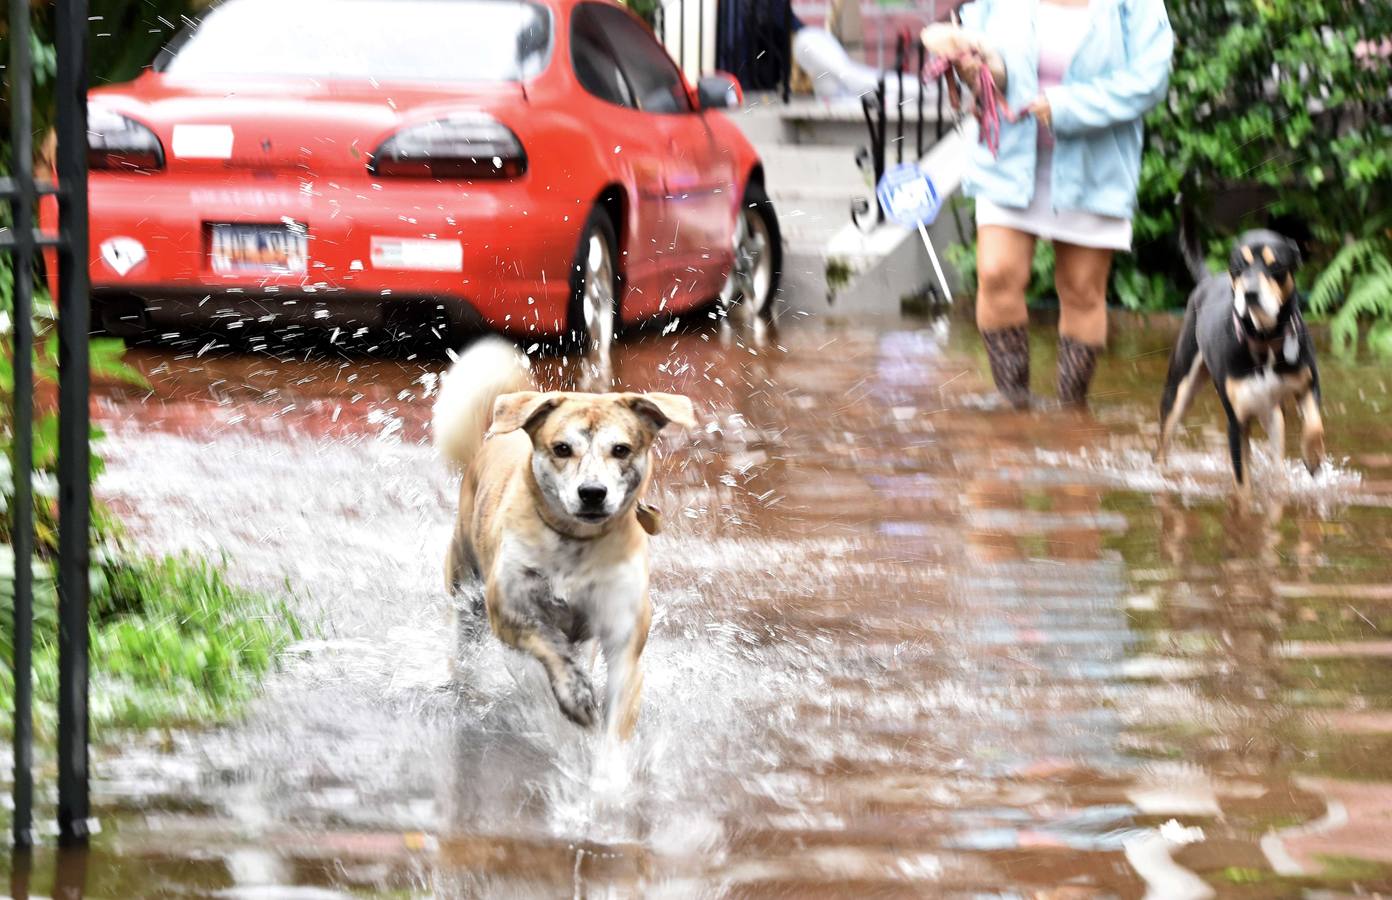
1296	259
524	409
662	409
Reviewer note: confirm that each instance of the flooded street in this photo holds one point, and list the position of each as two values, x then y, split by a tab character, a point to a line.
905	643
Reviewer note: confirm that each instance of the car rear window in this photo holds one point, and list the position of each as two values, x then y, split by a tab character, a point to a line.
383	40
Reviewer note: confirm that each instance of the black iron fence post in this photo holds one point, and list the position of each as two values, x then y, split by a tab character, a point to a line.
900	46
873	106
942	87
74	488
883	127
922	83
22	507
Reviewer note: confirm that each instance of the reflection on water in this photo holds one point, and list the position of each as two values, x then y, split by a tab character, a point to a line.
903	645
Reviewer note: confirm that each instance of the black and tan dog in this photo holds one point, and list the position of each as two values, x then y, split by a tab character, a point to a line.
1245	329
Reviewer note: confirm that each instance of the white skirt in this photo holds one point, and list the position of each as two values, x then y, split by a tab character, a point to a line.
1072	226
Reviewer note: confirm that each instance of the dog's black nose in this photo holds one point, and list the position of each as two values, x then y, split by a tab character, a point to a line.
592	494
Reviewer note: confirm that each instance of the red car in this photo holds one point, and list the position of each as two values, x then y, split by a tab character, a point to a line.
538	167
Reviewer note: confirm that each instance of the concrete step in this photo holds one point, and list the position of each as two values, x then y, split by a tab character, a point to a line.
793	167
803	286
761	119
889	263
842	124
804	121
809	152
813	224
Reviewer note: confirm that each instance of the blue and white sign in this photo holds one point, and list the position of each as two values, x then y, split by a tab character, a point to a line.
907	196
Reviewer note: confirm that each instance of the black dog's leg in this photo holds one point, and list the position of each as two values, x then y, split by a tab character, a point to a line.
1182	380
1311	420
1311	430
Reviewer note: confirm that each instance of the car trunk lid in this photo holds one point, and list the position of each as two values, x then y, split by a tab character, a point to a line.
312	128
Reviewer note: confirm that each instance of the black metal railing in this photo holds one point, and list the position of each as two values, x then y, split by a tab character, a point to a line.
24	242
875	107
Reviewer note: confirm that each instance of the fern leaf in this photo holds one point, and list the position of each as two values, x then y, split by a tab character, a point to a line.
1380	339
1342	269
1343	332
1370	297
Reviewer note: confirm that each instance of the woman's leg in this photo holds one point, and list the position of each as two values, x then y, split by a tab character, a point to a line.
1080	277
1003	258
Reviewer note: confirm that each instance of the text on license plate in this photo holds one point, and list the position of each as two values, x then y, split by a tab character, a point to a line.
258	248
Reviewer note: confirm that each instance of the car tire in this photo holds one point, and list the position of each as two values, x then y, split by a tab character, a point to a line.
752	286
122	317
594	319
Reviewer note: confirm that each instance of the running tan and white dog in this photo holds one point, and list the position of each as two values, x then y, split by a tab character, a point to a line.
552	519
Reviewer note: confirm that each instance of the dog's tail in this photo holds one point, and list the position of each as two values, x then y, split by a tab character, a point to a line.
483	373
1189	246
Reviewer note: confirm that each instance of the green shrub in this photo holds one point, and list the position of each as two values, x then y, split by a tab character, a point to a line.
1268	99
1357	286
171	640
123	38
647	9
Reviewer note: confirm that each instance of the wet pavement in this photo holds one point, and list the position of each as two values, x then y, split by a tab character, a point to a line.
905	643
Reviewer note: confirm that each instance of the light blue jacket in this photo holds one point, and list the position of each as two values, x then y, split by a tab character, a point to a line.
1121	70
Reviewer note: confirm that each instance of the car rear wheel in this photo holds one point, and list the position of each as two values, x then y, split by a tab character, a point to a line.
123	316
594	289
753	281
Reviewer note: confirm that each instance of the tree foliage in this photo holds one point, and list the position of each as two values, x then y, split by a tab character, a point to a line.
123	38
1279	114
1356	287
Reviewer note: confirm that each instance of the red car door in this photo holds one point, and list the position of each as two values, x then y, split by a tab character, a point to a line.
650	238
701	198
697	176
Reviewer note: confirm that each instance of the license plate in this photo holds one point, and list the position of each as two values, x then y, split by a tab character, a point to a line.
281	248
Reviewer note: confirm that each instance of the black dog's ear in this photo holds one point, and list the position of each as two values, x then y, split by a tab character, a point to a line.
1296	258
1235	261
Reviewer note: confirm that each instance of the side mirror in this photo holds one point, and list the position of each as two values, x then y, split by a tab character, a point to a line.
719	91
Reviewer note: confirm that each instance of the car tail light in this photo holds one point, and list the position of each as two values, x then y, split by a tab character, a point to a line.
464	145
116	142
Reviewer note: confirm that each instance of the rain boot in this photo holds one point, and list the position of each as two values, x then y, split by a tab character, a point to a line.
1076	363
1008	351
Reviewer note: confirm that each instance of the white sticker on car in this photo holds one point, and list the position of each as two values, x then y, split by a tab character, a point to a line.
122	254
417	255
203	141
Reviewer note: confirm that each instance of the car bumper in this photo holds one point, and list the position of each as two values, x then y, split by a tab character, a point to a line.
499	253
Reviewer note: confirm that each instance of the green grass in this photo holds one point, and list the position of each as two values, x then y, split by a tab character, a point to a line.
838	273
172	642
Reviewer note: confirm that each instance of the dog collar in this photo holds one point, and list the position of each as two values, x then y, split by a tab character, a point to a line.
1248	331
649	517
1257	341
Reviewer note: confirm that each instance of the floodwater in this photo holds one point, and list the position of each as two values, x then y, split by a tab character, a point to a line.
906	644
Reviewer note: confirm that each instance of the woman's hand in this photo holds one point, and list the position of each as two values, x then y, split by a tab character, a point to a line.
1042	112
968	68
963	51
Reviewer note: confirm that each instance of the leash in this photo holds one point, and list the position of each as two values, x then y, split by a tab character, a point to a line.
991	106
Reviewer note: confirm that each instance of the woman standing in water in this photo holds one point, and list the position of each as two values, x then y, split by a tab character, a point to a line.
1081	74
